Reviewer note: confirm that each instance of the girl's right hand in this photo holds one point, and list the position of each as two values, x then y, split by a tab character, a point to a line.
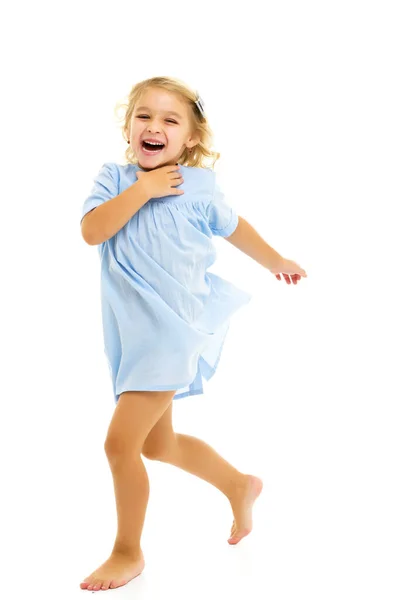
161	182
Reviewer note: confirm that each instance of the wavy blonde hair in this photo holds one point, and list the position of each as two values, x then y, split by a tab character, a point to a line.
202	152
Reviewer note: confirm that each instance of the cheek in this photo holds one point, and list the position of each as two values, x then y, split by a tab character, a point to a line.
174	137
136	134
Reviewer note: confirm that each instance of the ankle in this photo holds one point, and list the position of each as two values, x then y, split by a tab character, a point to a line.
238	486
134	553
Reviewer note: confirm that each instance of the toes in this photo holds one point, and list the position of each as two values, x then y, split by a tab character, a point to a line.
237	536
95	586
233	540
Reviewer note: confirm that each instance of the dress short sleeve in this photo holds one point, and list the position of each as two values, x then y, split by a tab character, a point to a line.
222	218
105	188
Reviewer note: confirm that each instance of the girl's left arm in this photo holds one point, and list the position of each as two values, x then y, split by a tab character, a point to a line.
246	239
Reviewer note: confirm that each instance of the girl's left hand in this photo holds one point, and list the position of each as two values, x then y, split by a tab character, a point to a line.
289	269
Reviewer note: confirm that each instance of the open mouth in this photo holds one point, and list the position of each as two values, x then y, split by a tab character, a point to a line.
152	148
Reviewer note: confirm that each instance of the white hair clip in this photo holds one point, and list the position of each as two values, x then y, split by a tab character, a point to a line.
200	105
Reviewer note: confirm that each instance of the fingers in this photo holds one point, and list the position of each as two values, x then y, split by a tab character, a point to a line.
289	279
175	186
177	180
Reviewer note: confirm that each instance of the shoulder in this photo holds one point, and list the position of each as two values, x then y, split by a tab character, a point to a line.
108	177
110	171
124	175
121	170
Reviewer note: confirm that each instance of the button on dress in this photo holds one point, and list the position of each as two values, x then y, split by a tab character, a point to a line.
165	317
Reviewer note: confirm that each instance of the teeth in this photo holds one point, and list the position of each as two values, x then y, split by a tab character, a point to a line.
154	143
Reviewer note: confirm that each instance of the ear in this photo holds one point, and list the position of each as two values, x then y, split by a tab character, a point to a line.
194	141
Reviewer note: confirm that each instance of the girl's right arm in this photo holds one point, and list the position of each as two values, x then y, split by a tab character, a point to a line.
103	222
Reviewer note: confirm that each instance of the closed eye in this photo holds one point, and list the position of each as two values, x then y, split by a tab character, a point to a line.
146	117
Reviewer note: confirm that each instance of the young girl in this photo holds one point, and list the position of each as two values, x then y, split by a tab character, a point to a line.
165	317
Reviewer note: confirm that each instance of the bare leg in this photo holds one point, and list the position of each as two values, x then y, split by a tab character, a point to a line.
131	487
197	457
135	415
200	459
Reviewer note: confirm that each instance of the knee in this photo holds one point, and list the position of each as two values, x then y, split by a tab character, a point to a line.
115	447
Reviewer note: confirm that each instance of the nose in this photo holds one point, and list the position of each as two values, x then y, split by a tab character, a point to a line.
153	125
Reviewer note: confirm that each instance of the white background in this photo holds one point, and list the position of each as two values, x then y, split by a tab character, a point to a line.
303	99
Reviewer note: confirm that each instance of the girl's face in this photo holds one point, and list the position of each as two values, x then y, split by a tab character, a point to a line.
162	117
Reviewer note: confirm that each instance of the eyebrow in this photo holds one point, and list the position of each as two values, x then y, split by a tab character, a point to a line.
167	112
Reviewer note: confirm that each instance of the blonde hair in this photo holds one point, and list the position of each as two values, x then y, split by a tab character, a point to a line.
199	125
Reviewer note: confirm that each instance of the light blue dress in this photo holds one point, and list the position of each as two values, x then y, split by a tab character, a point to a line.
165	318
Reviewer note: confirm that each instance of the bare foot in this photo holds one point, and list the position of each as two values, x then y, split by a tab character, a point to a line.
115	572
242	506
